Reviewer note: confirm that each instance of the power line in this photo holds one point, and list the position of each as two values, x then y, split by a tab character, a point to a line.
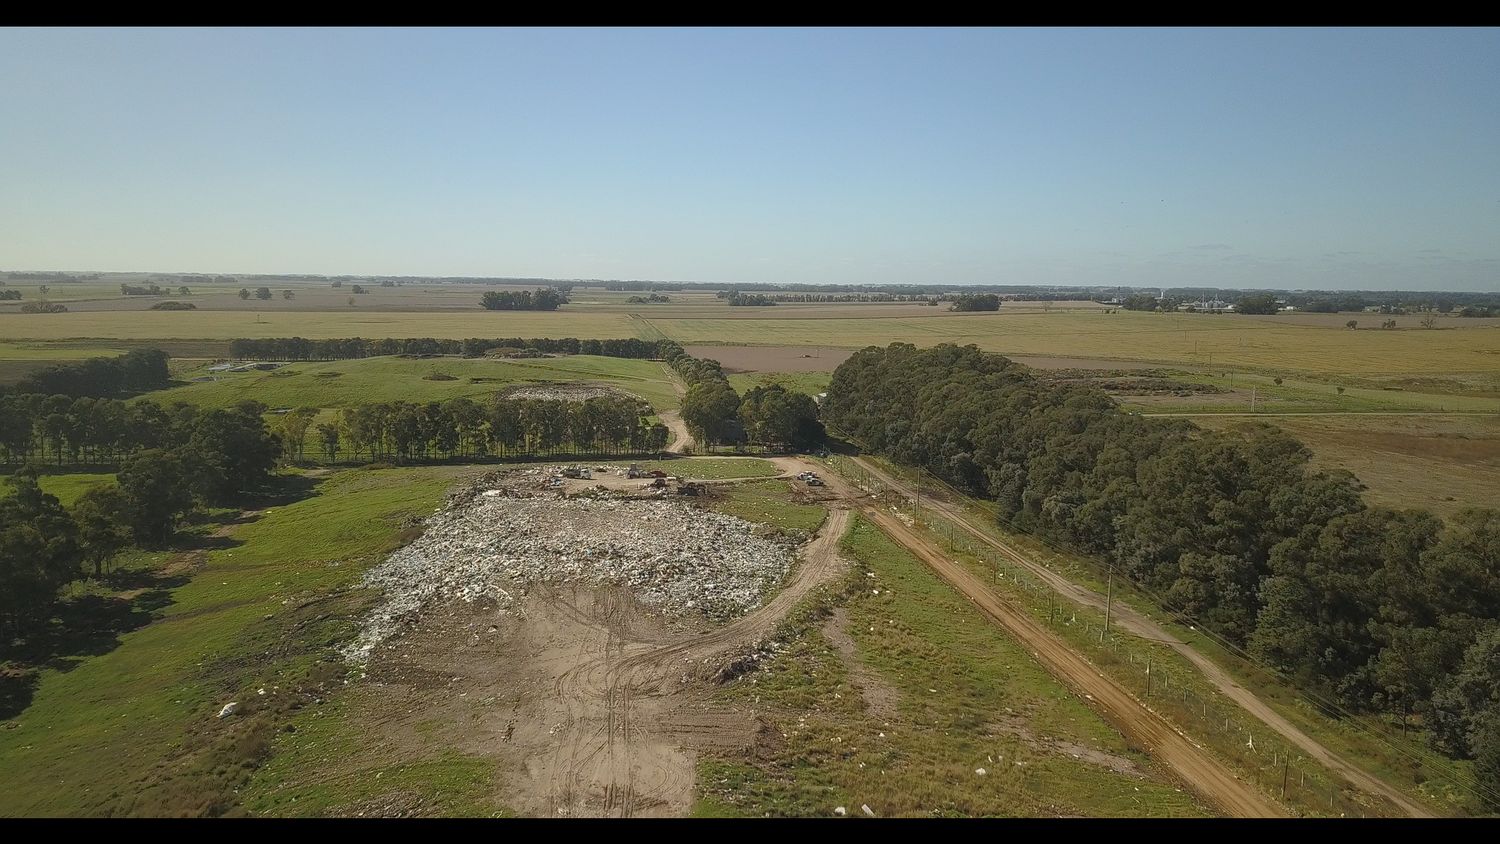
1467	782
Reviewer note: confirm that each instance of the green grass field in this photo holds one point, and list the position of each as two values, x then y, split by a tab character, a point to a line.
712	468
964	691
132	730
769	503
67	487
810	383
347	383
1294	395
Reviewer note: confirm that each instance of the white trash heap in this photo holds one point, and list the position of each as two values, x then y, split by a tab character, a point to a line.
565	392
676	557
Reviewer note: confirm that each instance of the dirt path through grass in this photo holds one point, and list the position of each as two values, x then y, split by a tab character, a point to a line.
1194	766
1135	622
682	441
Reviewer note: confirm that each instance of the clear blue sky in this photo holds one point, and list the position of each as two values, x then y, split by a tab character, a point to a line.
1279	158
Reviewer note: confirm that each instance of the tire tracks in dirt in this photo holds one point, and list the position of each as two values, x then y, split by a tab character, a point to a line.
1193	765
1128	618
613	749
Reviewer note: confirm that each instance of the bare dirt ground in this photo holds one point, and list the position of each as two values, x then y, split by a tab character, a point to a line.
882	700
589	704
1237	795
682	441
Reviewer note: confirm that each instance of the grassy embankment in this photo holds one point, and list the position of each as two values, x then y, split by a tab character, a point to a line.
130	727
930	694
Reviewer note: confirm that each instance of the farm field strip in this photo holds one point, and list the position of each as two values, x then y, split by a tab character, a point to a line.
1182	339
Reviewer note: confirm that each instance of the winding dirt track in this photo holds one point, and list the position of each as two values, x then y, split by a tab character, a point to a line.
620	711
1130	619
682	441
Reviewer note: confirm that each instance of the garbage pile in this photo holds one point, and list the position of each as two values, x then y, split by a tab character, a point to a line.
564	391
494	544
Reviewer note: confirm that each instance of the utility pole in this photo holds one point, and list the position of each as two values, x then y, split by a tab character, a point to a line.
1286	764
1109	602
1252	399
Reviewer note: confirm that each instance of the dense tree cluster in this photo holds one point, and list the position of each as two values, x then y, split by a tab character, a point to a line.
504	427
739	299
1140	302
172	305
42	306
10	295
653	299
1257	303
976	302
780	418
170	460
1388	610
142	290
298	348
522	300
136	371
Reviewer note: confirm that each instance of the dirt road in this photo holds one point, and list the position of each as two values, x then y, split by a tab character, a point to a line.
1194	766
682	441
1133	621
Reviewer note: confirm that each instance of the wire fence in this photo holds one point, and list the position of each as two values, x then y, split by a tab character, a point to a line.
1150	670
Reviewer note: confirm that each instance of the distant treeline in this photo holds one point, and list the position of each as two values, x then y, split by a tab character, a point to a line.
640	286
137	371
61	278
852	297
522	300
1387	610
1313	301
347	348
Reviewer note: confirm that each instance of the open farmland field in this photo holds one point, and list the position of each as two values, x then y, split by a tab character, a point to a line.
355	322
1439	463
1196	340
345	383
1300	395
1185	339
